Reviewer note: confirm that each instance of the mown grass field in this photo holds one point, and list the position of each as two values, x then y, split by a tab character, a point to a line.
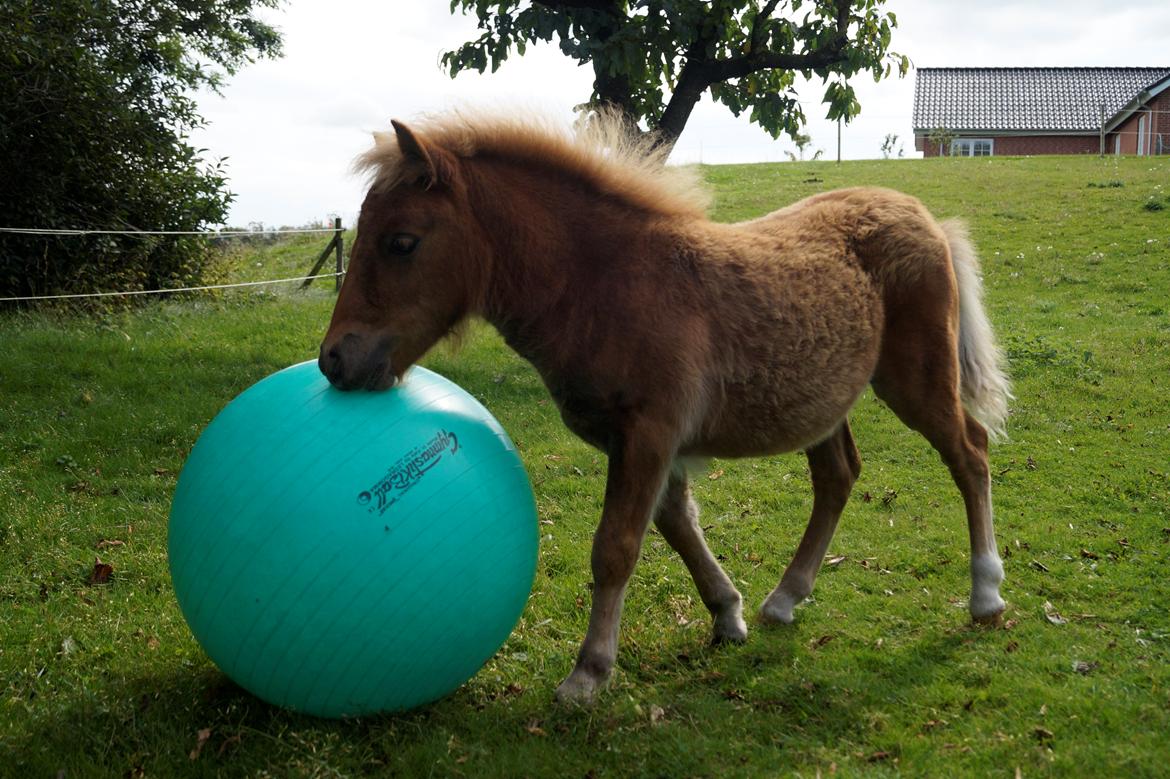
881	674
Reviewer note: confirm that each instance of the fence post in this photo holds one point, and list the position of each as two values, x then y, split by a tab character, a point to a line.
339	242
335	246
1102	153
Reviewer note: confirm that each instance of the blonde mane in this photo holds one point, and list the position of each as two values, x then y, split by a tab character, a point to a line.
599	151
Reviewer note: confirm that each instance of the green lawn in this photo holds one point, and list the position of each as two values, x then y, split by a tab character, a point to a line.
881	673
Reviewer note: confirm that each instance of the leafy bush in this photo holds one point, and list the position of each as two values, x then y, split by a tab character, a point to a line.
95	111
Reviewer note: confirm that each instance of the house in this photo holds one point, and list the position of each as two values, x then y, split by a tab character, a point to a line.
1017	111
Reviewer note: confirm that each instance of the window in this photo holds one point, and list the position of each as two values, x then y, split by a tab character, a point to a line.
971	147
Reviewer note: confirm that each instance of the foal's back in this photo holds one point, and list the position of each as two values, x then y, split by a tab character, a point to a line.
798	306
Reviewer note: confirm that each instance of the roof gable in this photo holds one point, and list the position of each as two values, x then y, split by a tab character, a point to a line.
1026	99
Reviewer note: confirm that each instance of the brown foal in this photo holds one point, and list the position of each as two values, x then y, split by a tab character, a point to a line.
664	337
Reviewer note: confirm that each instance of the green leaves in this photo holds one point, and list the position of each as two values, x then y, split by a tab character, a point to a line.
95	108
655	58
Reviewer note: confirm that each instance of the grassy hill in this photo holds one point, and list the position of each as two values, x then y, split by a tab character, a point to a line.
880	674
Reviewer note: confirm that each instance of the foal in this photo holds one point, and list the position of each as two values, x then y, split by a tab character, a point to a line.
663	336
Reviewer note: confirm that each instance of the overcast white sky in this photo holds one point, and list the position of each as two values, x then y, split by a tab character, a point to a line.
289	128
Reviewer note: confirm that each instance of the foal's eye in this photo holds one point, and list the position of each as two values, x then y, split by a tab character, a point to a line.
401	244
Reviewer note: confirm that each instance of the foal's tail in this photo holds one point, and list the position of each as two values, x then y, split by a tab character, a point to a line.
984	385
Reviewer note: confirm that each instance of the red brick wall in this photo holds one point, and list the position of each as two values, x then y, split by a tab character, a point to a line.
1161	106
1157	116
1047	144
1019	145
1128	134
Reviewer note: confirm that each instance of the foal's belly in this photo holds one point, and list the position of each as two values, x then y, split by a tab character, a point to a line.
794	378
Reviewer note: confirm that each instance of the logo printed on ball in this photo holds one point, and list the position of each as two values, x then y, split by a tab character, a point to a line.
407	472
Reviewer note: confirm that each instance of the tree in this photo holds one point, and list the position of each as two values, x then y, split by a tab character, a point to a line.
943	137
890	145
95	110
654	59
802	142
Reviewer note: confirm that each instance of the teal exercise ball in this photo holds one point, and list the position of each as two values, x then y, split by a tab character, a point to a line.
346	553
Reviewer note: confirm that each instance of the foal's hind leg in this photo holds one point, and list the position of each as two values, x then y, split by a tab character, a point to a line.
835	466
677	519
922	389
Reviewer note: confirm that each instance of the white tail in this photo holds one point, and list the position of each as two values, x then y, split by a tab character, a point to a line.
984	386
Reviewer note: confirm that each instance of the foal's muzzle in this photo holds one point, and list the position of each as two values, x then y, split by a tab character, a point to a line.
352	362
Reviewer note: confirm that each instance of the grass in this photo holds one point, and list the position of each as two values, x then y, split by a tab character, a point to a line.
881	674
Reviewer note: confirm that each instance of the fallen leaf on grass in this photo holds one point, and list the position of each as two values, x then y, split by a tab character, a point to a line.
101	573
876	756
1052	615
817	643
713	475
106	543
657	714
230	741
202	737
1081	667
1043	734
534	729
835	561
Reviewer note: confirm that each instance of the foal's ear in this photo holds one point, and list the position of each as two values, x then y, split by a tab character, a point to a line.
433	163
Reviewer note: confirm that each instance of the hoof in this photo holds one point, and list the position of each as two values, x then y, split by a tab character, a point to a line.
730	628
578	690
993	619
987	608
778	609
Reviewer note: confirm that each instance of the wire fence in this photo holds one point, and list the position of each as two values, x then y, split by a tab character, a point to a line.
205	233
335	246
127	293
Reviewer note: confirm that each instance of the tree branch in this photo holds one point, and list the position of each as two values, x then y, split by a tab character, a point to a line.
699	73
757	23
610	6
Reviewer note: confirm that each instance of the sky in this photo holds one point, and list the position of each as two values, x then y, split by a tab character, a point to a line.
288	129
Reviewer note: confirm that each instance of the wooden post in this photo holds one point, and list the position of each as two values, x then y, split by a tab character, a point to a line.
339	242
335	245
1102	129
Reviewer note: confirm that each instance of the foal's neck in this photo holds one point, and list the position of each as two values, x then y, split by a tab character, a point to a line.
551	239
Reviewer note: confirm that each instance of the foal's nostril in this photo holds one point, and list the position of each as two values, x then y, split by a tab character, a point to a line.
330	364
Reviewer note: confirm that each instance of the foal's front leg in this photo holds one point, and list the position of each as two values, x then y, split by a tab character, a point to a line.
637	473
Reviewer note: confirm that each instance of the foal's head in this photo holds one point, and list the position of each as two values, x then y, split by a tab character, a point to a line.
415	269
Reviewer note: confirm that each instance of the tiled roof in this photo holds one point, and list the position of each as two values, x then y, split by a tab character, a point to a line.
1026	99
